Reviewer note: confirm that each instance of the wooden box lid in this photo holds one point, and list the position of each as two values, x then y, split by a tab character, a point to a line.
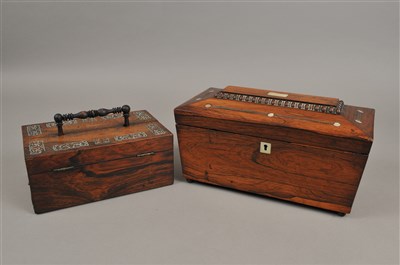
92	140
310	120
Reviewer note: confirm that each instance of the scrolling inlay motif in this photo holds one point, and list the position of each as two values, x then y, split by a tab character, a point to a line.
53	124
33	130
155	129
98	141
71	145
36	147
130	136
142	115
112	116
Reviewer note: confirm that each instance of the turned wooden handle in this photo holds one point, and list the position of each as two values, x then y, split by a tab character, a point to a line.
59	118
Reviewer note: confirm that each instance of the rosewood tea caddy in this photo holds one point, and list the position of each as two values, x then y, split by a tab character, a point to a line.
95	155
305	149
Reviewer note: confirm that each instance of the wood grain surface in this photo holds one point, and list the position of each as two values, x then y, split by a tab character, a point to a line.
97	154
90	130
314	176
56	190
113	161
286	124
316	158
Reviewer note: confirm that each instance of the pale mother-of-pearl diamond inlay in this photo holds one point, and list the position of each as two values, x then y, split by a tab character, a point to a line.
71	145
36	147
33	130
130	136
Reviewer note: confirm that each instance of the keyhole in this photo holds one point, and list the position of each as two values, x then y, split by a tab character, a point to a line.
265	148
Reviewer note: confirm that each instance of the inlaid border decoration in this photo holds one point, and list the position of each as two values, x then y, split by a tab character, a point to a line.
282	102
71	145
112	116
33	130
36	147
53	124
155	129
89	120
143	115
130	136
99	141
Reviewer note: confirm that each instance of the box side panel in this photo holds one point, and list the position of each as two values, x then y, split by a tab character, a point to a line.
70	187
313	176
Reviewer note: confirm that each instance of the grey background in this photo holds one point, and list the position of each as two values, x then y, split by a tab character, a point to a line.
72	56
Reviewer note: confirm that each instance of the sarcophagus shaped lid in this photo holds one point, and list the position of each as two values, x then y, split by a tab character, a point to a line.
313	120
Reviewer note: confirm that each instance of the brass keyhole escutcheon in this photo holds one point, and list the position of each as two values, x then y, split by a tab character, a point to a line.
265	148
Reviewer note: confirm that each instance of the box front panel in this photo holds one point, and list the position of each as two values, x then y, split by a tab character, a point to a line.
309	175
74	186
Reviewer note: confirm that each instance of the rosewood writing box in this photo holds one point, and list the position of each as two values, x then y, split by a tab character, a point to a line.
95	155
305	149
